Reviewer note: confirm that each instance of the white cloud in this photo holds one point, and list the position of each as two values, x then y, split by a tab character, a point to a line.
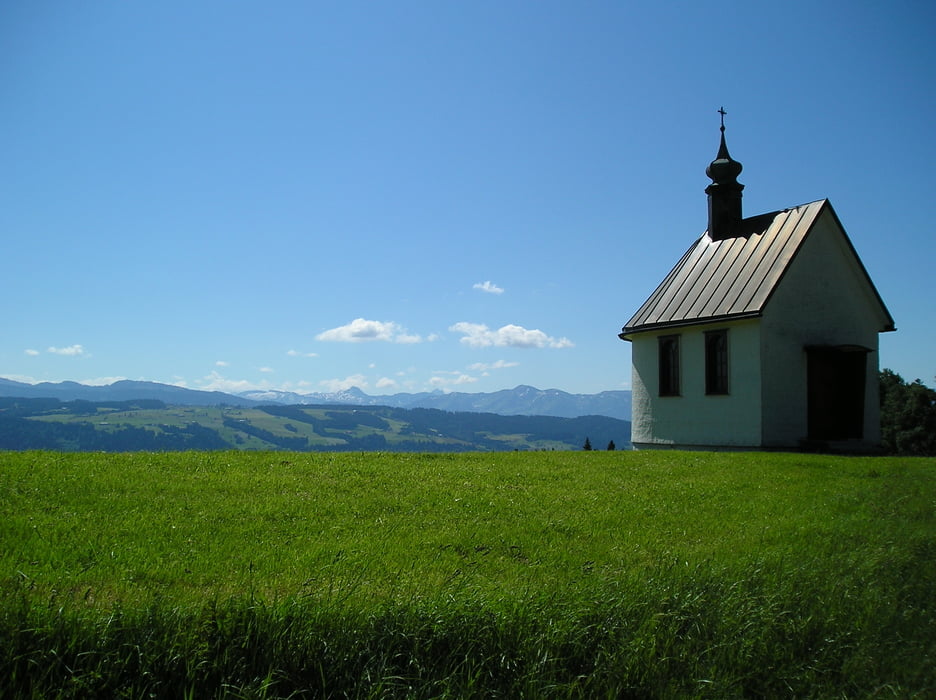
485	366
22	378
386	383
101	381
71	351
221	363
267	370
358	380
216	382
31	352
488	287
442	382
361	330
477	335
296	353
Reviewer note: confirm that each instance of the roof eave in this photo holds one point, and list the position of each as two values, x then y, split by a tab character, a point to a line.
629	331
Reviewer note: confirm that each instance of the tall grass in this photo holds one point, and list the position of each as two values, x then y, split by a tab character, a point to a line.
507	575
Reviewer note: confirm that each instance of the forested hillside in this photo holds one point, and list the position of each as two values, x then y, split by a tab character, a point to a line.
151	425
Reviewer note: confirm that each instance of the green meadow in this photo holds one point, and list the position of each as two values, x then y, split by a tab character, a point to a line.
399	575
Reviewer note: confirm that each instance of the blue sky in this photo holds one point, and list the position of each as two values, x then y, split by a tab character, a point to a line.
408	196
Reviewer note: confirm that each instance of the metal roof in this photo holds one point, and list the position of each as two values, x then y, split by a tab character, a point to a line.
731	278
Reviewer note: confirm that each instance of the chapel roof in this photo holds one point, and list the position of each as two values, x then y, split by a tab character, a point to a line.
734	278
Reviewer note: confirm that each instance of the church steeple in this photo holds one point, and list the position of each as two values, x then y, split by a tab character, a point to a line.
724	194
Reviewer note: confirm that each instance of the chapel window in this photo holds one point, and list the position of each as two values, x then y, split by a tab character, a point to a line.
669	365
716	362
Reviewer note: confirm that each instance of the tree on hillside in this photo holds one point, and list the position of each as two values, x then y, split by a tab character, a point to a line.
612	446
908	416
587	445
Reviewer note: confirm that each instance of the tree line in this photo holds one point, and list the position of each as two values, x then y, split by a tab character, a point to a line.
908	416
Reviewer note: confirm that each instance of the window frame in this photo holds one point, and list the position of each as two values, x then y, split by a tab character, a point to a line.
717	363
669	365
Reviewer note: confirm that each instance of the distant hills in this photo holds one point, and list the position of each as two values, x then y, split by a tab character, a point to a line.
125	390
519	401
151	425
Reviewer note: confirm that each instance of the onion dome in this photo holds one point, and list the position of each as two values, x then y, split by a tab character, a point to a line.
724	169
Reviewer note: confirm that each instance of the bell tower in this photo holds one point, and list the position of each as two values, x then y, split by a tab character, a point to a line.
724	194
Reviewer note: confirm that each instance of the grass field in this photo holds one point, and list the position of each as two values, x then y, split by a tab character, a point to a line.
550	574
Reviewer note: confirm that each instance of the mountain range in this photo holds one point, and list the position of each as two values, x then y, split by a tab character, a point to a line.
521	400
125	390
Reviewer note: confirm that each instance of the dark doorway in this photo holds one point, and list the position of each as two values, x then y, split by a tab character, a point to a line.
836	392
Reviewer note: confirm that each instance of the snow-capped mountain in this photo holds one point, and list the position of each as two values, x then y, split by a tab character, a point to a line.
521	400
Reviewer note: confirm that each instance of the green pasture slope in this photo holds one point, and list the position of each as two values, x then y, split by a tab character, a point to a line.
549	574
152	426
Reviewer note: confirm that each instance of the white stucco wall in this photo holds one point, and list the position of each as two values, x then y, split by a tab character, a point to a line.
693	418
823	299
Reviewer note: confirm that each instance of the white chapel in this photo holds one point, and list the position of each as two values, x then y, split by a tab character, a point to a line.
764	335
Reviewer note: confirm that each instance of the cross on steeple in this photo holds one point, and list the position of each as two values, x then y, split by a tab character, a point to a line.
722	112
